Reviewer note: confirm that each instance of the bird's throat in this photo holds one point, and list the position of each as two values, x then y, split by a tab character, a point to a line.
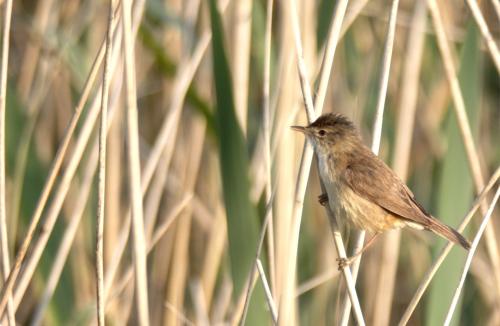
326	168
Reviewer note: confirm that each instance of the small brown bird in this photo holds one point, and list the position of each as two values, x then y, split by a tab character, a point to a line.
361	188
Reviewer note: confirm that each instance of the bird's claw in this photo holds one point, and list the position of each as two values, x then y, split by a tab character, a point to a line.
343	263
323	199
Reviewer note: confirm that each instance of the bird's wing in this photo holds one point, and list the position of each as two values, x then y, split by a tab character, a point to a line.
374	181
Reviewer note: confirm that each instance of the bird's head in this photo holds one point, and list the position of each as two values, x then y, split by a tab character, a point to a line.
331	133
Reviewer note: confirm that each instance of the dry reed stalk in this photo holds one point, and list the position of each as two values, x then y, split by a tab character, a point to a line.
384	78
354	11
377	134
181	317
485	32
301	65
405	128
465	131
239	309
152	205
267	291
470	255
103	128
114	263
284	175
81	270
158	234
160	261
114	185
162	229
190	160
4	243
191	16
446	250
409	91
139	243
199	303
351	289
288	284
222	301
126	306
496	7
334	36
256	165
241	318
266	126
316	281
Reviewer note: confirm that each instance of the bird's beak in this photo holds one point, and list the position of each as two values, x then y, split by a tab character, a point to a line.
299	128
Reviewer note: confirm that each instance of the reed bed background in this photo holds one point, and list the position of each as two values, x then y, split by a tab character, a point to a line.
148	174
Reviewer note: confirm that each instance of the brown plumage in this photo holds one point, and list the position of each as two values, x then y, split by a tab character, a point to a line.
361	188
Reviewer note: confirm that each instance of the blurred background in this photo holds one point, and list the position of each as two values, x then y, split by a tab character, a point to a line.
209	174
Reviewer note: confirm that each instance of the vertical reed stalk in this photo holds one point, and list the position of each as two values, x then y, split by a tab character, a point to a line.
3	209
102	171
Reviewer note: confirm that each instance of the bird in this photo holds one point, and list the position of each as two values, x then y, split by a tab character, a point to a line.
361	189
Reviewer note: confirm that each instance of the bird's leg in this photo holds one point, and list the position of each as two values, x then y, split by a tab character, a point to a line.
344	262
323	199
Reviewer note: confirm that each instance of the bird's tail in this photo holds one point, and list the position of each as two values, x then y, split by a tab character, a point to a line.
448	233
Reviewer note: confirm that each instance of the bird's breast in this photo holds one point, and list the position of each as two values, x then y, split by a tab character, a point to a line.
348	206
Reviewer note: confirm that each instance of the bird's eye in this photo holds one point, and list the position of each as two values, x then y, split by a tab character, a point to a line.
321	132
